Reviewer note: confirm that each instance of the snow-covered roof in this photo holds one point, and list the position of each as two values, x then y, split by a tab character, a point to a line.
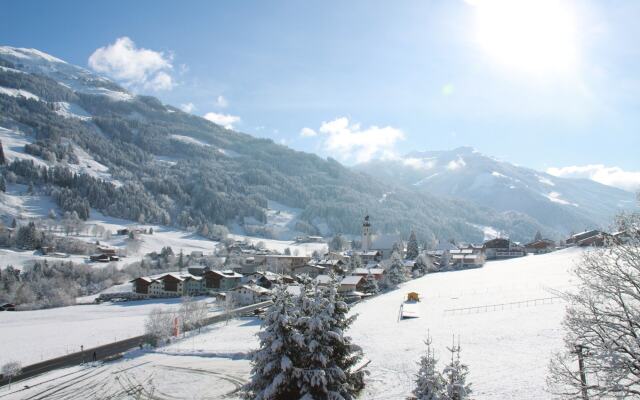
329	262
142	278
351	280
227	273
323	279
461	251
370	253
367	271
253	288
464	256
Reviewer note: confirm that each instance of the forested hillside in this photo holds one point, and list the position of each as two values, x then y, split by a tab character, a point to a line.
170	167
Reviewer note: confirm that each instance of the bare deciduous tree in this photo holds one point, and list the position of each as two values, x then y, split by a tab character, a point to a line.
192	313
10	370
602	356
159	324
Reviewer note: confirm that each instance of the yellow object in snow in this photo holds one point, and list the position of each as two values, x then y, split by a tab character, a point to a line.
413	296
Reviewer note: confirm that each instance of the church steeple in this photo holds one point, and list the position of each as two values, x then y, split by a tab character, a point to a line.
366	234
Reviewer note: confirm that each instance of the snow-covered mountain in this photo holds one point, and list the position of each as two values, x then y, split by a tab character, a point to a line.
78	79
464	173
133	157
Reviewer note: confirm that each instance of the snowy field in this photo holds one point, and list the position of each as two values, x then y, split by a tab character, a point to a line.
141	376
506	347
31	336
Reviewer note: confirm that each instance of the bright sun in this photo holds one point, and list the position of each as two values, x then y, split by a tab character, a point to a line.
534	36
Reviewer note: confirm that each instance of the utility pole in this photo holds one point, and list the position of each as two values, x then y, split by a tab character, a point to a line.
583	375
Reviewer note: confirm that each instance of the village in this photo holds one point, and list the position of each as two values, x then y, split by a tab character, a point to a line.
246	273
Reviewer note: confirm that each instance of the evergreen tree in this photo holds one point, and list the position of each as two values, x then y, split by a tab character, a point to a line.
275	373
412	247
397	272
3	160
181	261
3	184
347	355
398	247
430	384
455	375
370	285
27	236
538	236
328	354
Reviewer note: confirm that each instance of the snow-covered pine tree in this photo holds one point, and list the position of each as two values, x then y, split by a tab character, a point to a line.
347	354
455	375
398	247
412	247
397	272
430	384
328	356
370	285
275	373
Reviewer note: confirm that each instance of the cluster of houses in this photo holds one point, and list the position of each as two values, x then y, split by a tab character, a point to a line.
104	255
254	272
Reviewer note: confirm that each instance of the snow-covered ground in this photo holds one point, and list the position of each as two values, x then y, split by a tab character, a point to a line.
507	348
31	336
13	142
145	375
280	245
18	93
71	110
190	140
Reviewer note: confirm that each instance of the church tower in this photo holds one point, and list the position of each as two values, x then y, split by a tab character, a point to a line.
366	234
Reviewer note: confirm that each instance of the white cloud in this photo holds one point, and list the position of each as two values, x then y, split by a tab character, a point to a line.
611	176
134	67
419	163
456	164
188	107
225	120
308	132
222	102
350	142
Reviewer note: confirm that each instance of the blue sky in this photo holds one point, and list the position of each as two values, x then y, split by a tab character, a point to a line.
542	84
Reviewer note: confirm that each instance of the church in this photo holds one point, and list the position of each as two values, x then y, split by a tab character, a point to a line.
377	247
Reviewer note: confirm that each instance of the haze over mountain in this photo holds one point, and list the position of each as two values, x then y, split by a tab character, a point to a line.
559	204
91	144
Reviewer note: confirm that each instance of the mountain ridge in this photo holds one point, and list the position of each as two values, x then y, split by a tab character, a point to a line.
562	204
167	166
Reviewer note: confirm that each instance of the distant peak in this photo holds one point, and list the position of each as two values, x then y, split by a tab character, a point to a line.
28	54
465	150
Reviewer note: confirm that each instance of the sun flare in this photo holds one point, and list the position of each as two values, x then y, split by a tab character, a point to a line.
534	36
